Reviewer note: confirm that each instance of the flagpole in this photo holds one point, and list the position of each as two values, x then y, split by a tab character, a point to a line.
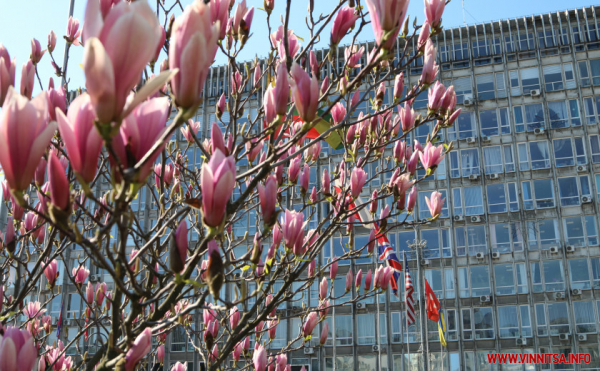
405	315
424	344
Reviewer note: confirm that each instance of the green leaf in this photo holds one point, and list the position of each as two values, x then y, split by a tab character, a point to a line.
245	268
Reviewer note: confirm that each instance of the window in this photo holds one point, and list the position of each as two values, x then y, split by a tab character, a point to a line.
441	281
465	125
471	237
542	234
585	318
494	122
581	231
366	329
572	188
558	318
499	196
564	114
424	210
480	321
594	72
580	274
595	148
343	330
547	276
506	237
559	77
498	159
529	80
74	306
180	342
533	156
438	242
592	110
542	192
528	117
474	281
464	163
565	155
510	279
491	86
472	199
514	322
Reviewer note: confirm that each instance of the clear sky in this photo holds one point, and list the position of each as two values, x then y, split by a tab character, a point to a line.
21	20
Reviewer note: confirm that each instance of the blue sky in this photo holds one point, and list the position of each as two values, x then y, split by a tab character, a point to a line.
25	19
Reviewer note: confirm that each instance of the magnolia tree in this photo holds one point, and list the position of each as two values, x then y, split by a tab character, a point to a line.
56	156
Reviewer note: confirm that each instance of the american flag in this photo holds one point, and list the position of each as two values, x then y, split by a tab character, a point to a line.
408	300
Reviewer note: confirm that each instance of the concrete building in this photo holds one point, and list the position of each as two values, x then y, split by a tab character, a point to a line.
515	257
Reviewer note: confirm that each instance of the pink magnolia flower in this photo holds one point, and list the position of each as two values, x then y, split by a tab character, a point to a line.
372	241
449	100
219	12
324	333
257	75
349	278
24	136
160	354
36	51
114	57
268	199
304	178
51	41
259	358
313	195
7	72
305	92
433	12
311	268
323	289
344	20
56	100
333	268
242	19
253	148
100	293
17	350
80	274
277	41
412	199
430	67
269	5
407	117
398	86
453	117
272	328
237	351
140	348
234	317
89	293
368	279
192	50
73	31
435	204
311	321
435	94
431	156
292	227
294	170
387	17
27	79
424	35
338	113
194	127
138	133
217	183
179	253
167	177
33	309
82	141
358	280
326	182
51	272
357	181
352	56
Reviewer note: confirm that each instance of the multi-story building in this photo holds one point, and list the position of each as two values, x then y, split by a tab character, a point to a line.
515	256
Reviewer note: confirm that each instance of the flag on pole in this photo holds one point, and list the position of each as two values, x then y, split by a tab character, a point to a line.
408	297
434	311
59	321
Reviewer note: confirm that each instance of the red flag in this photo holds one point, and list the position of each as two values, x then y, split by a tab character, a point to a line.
433	304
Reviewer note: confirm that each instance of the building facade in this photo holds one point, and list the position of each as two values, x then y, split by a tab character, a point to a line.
515	256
